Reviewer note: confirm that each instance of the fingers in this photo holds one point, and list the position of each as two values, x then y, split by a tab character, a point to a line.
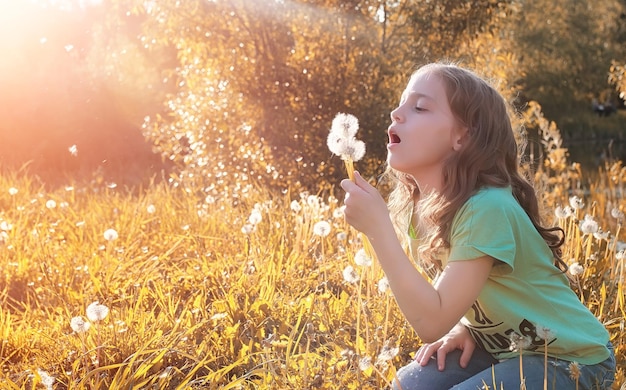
466	354
426	352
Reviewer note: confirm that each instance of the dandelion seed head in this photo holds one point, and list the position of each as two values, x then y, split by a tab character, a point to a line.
13	191
576	269
345	124
321	228
110	235
560	213
79	325
97	312
545	333
295	206
247	229
362	259
365	363
51	204
383	285
342	236
602	236
338	213
255	217
617	213
574	370
387	353
576	203
519	342
46	379
350	275
588	225
151	209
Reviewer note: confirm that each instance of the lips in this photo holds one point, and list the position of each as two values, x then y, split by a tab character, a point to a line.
393	138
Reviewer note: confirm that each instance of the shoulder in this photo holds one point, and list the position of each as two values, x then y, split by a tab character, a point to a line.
490	201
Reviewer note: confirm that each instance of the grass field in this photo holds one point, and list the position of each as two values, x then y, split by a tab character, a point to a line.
264	291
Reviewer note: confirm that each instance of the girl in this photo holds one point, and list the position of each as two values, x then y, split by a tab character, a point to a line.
500	294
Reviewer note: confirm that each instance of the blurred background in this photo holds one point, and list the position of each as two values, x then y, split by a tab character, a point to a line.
236	92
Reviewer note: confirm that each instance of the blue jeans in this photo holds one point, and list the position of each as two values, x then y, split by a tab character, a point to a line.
483	370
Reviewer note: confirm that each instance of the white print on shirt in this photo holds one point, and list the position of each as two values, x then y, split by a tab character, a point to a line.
493	338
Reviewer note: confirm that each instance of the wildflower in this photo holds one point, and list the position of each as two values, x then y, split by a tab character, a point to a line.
588	225
13	191
574	370
383	285
97	312
51	204
341	139
361	258
576	203
322	229
350	275
110	235
576	269
255	217
617	213
79	325
151	209
46	379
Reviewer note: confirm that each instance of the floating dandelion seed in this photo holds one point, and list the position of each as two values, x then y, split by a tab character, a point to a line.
588	225
576	203
97	312
110	235
350	275
322	229
576	269
362	258
79	325
73	150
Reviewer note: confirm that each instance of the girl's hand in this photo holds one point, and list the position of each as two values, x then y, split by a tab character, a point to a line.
458	338
366	209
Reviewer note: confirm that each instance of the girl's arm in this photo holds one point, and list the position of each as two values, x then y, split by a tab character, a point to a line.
432	310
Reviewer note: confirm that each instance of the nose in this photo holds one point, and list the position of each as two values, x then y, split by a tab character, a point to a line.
395	115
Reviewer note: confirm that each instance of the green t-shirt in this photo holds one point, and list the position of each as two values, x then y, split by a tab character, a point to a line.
525	293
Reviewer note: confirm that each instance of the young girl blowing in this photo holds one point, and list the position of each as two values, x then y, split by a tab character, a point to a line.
499	298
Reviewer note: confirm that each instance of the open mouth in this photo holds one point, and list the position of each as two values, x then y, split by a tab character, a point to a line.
393	138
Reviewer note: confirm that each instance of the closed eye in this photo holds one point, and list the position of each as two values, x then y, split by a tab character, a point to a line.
420	109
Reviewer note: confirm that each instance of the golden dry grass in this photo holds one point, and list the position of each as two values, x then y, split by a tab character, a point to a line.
230	294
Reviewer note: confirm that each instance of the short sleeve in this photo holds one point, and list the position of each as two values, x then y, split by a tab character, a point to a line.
483	226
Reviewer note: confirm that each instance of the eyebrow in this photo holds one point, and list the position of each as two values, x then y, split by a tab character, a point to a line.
419	95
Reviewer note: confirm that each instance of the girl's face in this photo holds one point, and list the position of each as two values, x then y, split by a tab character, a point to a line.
423	132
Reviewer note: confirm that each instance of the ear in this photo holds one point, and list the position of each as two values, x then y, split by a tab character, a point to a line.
459	138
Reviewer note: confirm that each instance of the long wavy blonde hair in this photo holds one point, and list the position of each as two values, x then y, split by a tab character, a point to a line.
489	157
